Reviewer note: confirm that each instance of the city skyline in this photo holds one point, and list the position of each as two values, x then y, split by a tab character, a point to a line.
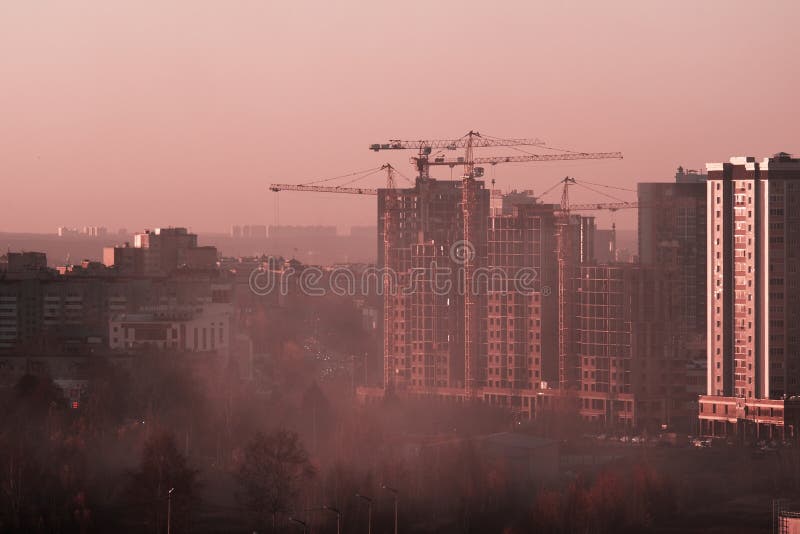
451	267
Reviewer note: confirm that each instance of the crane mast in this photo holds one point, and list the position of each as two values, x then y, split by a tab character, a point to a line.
568	364
472	246
389	290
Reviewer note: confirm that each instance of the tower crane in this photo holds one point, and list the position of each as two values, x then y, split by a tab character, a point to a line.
568	363
422	162
565	206
370	191
471	219
390	220
468	141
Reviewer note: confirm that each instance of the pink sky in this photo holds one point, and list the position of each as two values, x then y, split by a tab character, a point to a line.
143	114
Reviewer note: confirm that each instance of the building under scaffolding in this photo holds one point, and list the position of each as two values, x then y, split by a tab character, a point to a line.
515	275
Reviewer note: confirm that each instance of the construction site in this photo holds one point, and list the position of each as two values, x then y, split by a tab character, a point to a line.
508	303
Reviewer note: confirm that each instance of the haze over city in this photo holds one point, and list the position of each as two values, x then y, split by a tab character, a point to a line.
188	109
419	267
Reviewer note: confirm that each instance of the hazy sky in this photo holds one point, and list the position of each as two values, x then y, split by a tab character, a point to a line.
144	114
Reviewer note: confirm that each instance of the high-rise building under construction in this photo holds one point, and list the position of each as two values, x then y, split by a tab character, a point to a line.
632	371
515	283
423	310
521	319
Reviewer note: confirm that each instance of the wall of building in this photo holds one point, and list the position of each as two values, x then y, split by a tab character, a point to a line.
753	295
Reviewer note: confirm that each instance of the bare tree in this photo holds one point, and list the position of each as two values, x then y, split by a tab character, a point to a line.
272	473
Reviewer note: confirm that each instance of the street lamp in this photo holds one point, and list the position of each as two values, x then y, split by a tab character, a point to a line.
369	511
169	509
338	517
303	524
396	494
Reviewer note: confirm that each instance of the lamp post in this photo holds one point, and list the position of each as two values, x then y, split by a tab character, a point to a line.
369	511
338	517
396	495
169	510
302	524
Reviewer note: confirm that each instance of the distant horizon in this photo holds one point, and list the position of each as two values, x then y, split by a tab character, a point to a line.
604	218
356	248
112	232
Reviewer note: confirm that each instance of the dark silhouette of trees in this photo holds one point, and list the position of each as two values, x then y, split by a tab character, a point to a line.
271	475
42	467
617	499
106	401
163	468
106	467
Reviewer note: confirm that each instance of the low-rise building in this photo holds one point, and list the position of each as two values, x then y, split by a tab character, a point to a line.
198	329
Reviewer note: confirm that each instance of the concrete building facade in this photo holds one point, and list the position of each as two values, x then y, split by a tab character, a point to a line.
160	252
205	328
753	298
514	295
424	323
632	371
522	325
672	235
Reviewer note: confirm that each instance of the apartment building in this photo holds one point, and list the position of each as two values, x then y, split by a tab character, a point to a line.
753	297
160	252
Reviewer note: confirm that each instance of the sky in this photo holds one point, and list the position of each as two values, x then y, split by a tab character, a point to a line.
147	114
